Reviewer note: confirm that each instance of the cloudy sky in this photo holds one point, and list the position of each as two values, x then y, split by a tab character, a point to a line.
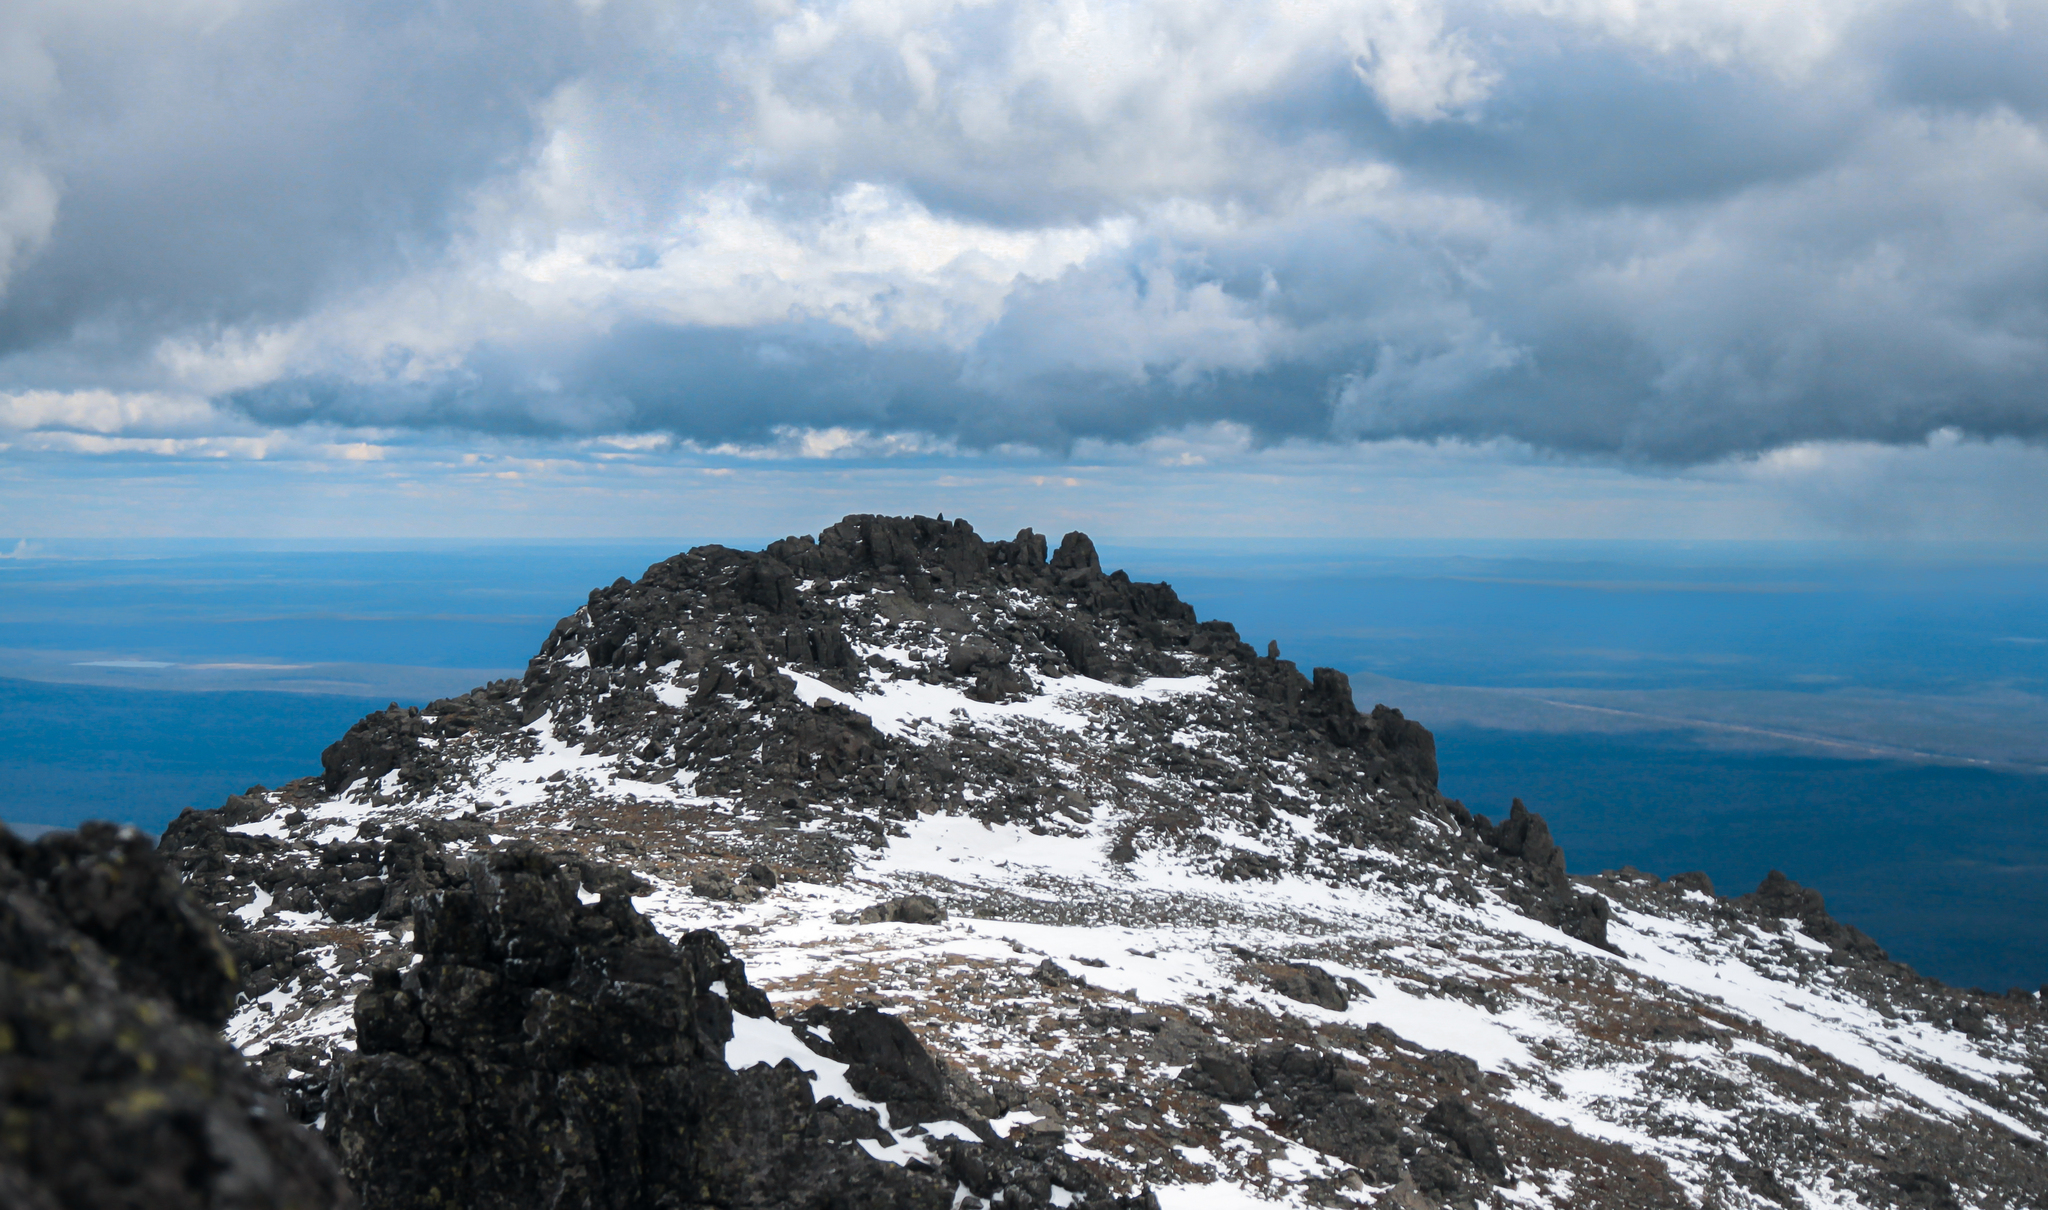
1684	268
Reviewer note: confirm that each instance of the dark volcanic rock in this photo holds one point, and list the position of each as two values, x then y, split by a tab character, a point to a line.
1052	974
111	886
1314	1098
1779	896
1693	880
905	909
717	884
1320	1101
1923	1189
1000	618
1456	1121
1225	1076
545	1048
116	1091
544	1044
1311	985
887	1062
1524	839
389	740
1524	834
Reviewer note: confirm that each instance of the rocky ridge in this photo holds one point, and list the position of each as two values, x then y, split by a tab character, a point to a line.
1164	916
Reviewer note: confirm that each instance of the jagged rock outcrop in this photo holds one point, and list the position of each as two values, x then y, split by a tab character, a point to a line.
1780	897
390	741
1524	839
729	619
994	621
548	1051
544	1050
116	1090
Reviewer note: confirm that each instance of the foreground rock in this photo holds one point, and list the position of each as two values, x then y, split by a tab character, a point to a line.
116	1090
548	1051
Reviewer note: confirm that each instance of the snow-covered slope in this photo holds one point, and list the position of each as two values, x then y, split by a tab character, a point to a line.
1205	925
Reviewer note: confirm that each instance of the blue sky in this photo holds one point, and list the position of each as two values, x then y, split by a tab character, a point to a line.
1516	268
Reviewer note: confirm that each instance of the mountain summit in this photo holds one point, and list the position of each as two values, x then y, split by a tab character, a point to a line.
900	866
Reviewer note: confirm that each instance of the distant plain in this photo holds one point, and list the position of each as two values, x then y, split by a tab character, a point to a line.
1871	720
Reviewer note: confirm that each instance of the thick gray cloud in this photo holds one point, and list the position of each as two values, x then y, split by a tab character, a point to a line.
245	165
1665	235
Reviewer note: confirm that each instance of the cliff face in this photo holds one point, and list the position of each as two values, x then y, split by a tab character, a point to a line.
1065	895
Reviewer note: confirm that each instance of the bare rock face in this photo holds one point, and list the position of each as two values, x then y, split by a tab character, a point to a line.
116	1089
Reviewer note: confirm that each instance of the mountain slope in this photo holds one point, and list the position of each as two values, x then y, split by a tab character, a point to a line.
1161	905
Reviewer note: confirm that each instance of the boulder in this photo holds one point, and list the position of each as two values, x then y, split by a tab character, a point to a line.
1083	651
1456	1121
1224	1076
1047	1122
885	1061
1311	985
358	899
905	909
1052	974
972	653
999	682
719	885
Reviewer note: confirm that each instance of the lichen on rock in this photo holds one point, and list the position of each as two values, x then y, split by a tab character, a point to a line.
116	1089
